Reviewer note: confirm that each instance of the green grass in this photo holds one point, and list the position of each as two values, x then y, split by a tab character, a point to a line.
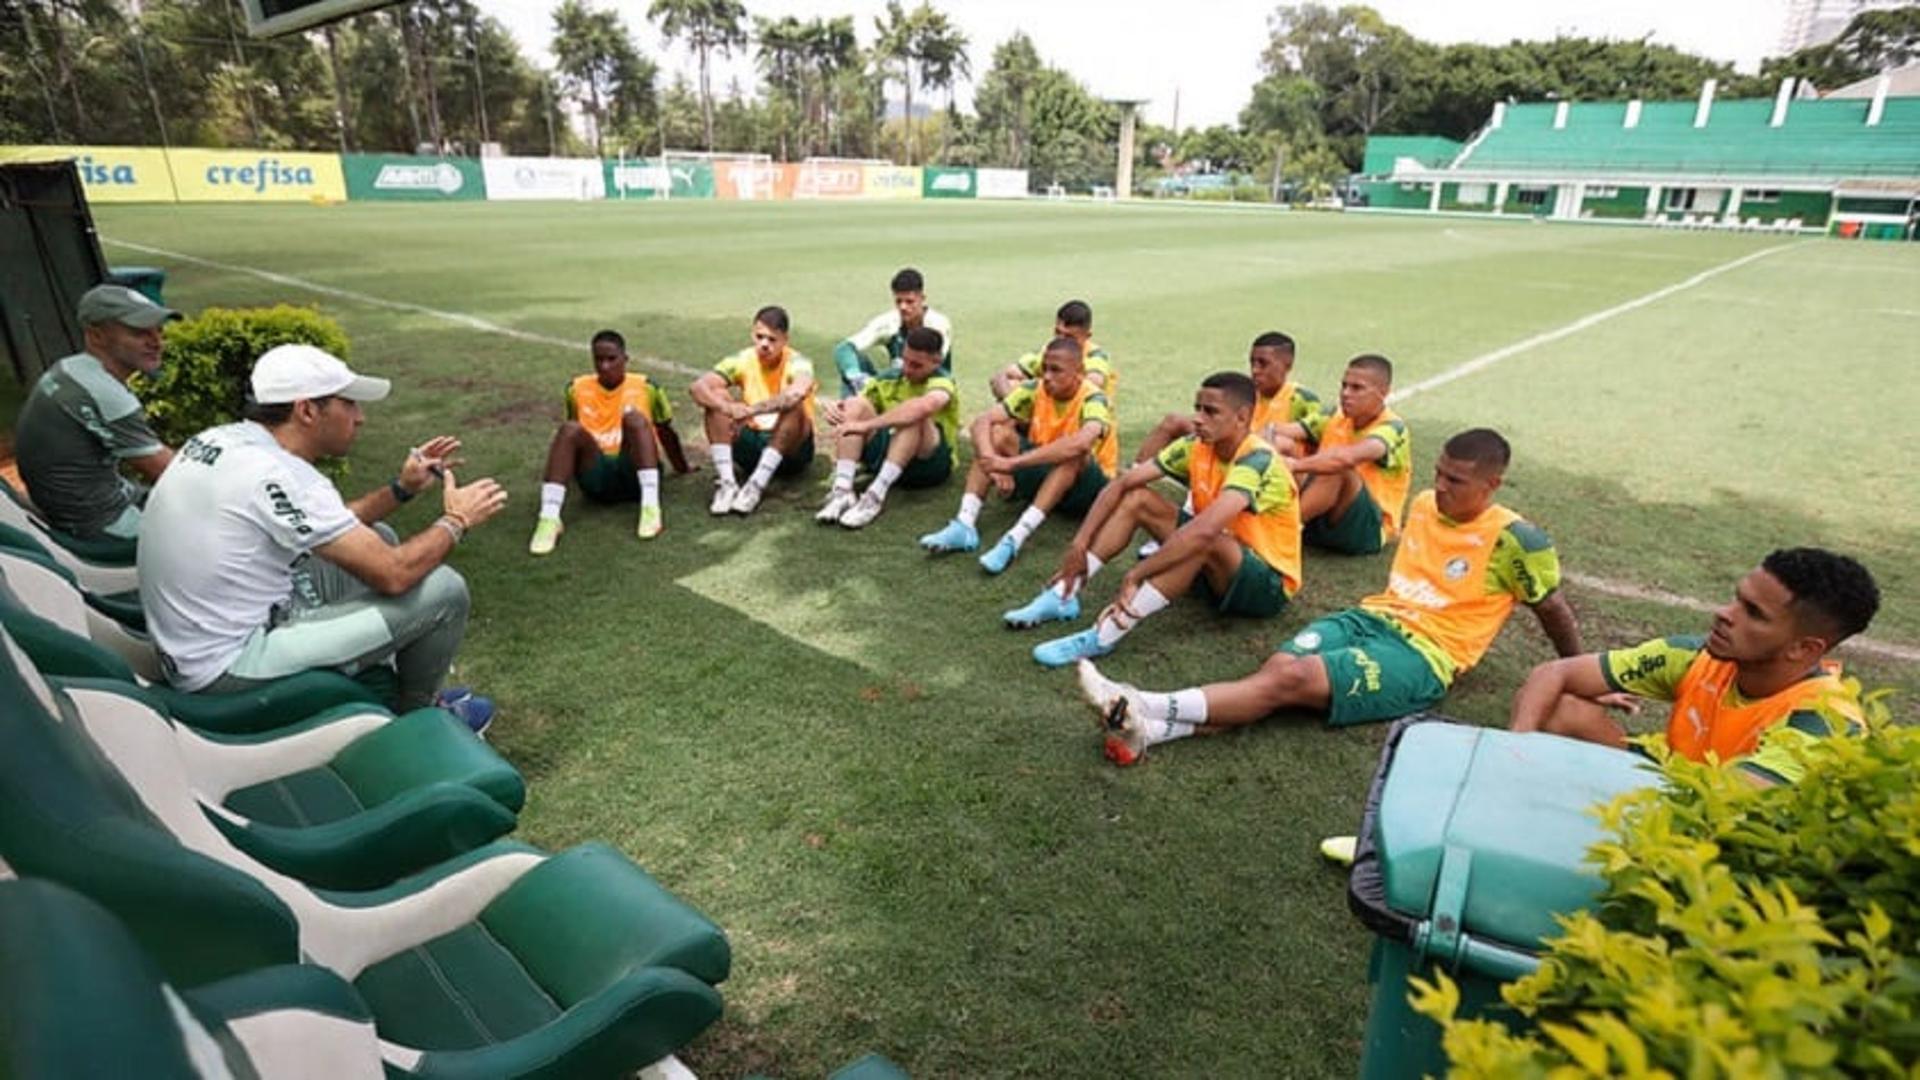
827	742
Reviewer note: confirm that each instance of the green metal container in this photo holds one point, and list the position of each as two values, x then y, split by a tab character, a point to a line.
1473	840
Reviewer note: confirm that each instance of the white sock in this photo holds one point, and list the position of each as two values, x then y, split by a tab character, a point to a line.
769	460
649	487
1181	706
883	480
969	514
1030	520
843	470
552	497
1146	601
722	463
1155	732
1094	563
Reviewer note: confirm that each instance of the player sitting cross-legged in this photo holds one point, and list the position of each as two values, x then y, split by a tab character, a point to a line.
1242	543
618	422
903	427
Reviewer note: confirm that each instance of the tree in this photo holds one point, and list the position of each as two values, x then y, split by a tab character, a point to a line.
1004	102
603	70
898	41
942	50
831	52
781	52
1360	61
707	26
1874	41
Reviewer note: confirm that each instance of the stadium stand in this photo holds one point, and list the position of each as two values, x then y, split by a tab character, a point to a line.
1846	165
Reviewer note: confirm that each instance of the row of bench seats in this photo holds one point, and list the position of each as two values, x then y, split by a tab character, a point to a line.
309	884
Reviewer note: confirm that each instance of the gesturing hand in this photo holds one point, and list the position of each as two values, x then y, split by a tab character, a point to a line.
427	461
474	503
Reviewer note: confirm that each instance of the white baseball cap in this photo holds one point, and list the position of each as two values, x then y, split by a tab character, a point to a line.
289	373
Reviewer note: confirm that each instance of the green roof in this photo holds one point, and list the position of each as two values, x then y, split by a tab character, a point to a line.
1820	138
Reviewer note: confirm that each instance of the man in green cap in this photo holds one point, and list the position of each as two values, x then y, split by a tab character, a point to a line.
81	424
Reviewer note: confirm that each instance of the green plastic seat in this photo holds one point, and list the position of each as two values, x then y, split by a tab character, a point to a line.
83	999
501	962
51	621
103	566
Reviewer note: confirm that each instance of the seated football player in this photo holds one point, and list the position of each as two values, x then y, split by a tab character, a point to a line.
904	428
1241	545
759	413
1068	451
618	423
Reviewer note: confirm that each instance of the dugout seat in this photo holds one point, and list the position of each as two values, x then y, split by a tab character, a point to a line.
103	566
503	962
83	999
56	624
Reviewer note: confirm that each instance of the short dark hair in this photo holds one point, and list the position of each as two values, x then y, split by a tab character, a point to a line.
1075	313
1375	363
280	412
1066	345
1486	448
1274	339
613	336
266	415
1833	592
1237	387
773	317
925	339
909	280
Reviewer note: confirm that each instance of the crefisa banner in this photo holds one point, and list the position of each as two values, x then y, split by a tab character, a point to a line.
544	178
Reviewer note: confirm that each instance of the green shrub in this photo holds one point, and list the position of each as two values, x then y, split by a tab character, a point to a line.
1743	931
202	381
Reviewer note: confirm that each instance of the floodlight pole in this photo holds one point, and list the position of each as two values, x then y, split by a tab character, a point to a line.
1123	169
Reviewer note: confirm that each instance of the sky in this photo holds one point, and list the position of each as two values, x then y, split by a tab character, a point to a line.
1204	54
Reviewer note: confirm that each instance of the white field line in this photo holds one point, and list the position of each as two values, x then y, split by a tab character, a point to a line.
1486	360
471	322
1626	591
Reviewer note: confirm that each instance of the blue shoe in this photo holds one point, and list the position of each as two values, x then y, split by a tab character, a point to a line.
473	710
1047	607
1060	652
999	555
957	536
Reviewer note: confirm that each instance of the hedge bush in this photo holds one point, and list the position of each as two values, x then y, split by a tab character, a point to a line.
1743	931
202	381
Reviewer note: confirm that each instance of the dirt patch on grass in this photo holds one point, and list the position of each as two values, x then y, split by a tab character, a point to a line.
510	413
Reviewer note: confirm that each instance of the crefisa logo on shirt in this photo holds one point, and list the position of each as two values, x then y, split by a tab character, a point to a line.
283	507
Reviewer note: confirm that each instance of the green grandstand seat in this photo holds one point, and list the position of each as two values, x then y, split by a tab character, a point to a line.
82	998
503	962
49	626
104	566
346	800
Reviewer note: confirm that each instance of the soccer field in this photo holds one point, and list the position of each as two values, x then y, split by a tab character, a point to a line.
828	743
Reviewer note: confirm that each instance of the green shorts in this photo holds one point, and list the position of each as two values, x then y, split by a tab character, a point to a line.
1373	672
1257	589
1360	531
609	480
749	442
1078	499
922	472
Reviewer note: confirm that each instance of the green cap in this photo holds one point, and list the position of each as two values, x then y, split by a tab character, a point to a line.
117	303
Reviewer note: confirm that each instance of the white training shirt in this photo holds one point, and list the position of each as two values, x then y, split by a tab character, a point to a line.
886	324
222	533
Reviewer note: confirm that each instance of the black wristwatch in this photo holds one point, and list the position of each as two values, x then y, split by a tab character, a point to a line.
400	494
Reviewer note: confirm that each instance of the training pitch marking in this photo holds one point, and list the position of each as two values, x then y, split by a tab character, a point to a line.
1486	360
1623	590
471	322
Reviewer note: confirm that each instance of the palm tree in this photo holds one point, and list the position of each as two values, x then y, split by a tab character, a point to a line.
898	40
831	49
781	52
941	48
707	26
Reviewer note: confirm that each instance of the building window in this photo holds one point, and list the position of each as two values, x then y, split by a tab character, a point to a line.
1762	196
1532	196
1600	192
1680	198
1472	195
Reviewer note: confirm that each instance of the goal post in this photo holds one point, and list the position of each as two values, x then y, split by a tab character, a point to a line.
735	175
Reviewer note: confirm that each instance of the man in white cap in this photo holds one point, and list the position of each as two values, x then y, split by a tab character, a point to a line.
233	591
80	424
